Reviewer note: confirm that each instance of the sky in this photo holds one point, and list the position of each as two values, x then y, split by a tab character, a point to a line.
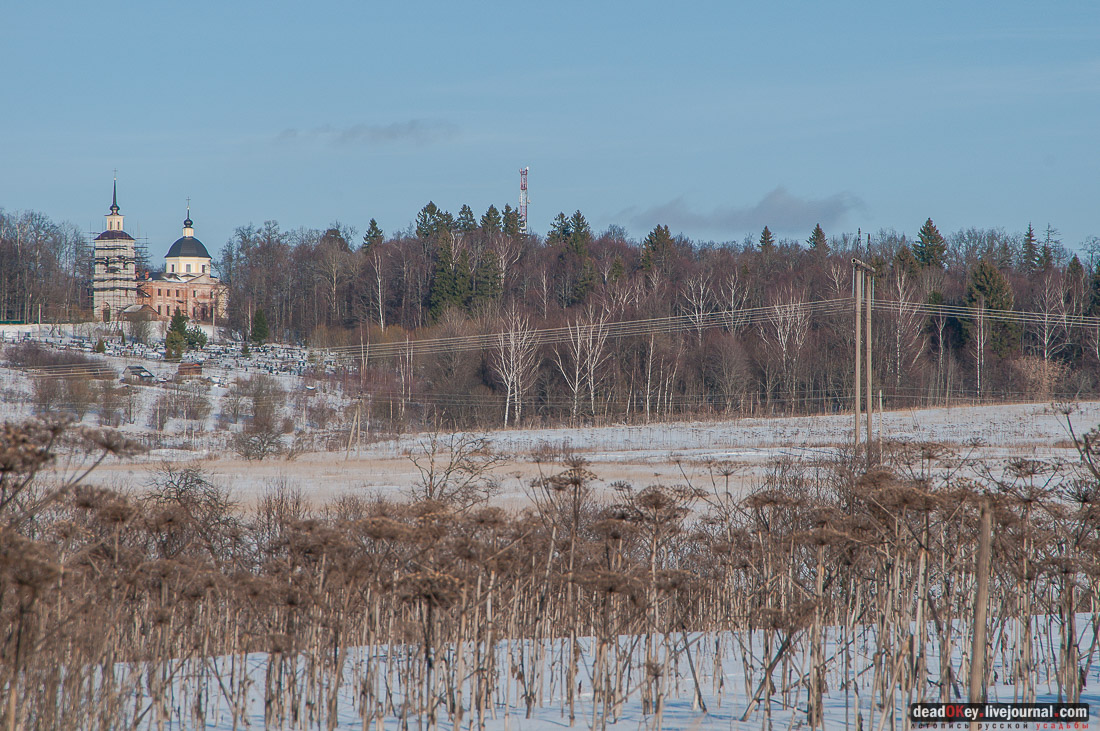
715	119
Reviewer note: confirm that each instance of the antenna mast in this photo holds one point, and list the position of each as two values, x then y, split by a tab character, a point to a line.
523	200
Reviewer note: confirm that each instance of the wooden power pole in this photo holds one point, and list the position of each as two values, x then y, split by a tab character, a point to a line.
863	295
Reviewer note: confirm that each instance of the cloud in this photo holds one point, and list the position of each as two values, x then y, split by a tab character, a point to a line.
413	131
778	209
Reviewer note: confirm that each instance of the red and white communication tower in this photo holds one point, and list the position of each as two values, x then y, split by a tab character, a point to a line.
523	200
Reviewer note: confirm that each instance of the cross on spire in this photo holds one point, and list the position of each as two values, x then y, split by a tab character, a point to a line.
114	194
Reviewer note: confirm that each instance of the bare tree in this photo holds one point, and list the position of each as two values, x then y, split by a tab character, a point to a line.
377	259
909	338
455	468
784	334
515	360
1049	330
978	344
582	358
698	297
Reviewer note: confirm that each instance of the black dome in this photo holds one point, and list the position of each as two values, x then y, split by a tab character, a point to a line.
187	246
114	234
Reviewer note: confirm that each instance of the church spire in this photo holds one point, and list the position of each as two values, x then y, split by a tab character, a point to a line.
187	223
114	218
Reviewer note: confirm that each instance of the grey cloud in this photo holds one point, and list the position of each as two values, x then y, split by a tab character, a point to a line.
778	209
413	131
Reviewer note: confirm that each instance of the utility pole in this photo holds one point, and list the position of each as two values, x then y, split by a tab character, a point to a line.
857	297
863	291
978	647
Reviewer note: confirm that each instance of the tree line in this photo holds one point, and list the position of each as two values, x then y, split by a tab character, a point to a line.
944	330
941	328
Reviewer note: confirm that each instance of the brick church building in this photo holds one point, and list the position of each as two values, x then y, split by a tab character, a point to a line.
187	282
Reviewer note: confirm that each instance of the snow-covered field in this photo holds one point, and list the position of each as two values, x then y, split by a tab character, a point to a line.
641	454
645	454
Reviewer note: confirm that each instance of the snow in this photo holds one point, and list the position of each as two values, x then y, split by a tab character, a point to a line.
719	660
657	453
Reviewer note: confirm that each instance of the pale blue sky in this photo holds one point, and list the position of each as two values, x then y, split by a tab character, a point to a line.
713	118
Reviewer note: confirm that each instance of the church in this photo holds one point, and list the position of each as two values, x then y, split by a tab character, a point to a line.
187	283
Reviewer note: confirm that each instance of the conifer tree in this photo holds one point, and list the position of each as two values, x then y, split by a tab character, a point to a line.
441	291
931	248
465	221
175	342
451	280
906	262
987	287
580	234
559	230
510	221
657	249
1093	301
374	236
767	240
487	285
1029	252
490	222
431	222
817	241
260	332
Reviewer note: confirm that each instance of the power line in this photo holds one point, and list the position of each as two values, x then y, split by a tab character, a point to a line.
731	318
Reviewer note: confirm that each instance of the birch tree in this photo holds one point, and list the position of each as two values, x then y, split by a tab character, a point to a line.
582	357
784	334
515	361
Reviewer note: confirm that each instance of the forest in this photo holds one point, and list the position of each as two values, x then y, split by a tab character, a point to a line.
449	318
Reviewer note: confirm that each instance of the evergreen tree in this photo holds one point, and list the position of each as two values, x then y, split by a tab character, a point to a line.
988	287
451	280
510	221
657	249
618	269
374	236
767	240
487	284
1074	271
1046	258
817	241
580	234
559	230
260	332
441	291
1029	252
463	280
465	221
431	222
931	248
196	338
490	222
906	262
1093	301
175	342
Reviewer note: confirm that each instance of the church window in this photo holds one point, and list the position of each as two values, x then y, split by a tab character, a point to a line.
204	269
188	268
171	267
